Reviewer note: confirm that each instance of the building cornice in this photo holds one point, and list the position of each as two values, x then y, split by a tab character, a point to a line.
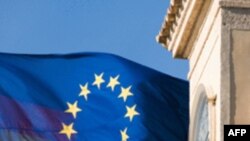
168	27
183	20
176	35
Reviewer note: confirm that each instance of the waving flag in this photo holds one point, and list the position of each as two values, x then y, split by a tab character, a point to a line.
89	97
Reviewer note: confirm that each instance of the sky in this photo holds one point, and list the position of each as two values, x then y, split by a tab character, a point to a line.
123	27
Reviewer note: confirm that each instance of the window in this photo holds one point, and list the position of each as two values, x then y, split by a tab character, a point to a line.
201	116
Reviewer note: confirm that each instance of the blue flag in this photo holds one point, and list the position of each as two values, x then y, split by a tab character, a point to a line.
89	97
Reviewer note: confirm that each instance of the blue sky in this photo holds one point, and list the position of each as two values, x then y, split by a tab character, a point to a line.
123	27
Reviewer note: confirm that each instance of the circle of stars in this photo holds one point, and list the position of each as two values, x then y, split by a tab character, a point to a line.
73	109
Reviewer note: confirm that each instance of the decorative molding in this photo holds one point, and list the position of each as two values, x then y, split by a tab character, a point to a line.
235	3
184	19
212	99
236	18
173	13
181	24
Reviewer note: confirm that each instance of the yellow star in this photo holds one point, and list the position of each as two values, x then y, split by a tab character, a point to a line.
68	130
125	93
98	80
113	82
84	91
131	112
124	134
73	109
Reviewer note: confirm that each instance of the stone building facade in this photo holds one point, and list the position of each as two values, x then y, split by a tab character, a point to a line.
214	35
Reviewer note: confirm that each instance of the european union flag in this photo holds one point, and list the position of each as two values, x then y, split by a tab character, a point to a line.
89	97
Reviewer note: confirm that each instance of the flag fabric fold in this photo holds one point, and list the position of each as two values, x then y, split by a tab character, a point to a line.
89	97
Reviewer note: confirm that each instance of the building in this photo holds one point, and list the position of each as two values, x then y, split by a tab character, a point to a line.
214	35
